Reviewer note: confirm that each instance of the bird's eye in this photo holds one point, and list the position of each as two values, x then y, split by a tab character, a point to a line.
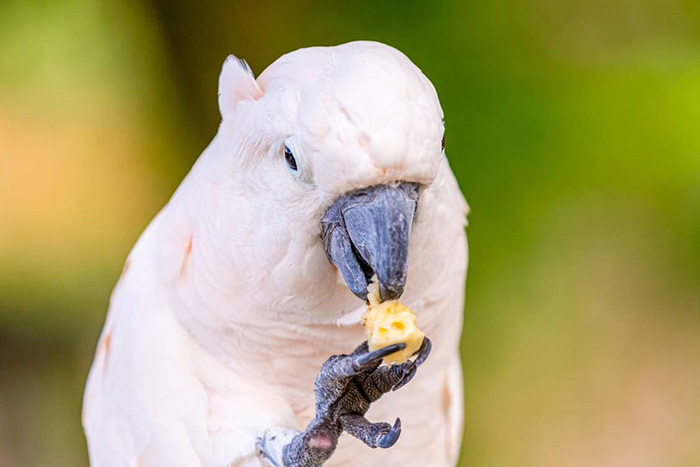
291	161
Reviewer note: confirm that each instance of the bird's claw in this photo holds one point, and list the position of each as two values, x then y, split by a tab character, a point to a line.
408	373
389	439
410	367
367	360
345	387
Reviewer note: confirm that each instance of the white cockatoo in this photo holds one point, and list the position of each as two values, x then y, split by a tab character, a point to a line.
327	169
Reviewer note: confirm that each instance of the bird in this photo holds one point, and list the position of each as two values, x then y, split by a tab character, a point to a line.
233	333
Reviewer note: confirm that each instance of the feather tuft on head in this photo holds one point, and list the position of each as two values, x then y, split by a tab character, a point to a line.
236	83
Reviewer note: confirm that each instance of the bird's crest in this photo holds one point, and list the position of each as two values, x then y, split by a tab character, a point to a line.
236	83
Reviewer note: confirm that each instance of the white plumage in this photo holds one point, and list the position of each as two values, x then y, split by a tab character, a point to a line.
228	305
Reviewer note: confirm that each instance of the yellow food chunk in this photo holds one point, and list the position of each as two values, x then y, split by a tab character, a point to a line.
388	323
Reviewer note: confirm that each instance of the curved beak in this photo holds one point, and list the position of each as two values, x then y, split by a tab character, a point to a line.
366	232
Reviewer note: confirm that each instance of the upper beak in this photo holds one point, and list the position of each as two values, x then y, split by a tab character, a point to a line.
366	232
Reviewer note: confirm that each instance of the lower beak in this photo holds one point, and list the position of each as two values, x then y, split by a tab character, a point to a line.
366	232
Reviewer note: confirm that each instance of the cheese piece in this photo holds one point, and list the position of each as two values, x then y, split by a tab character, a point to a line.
390	322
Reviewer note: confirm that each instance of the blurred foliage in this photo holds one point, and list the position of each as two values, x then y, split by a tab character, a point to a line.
573	130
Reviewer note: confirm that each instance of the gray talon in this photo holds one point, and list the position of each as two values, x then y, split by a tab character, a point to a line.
376	356
424	351
408	374
410	368
390	438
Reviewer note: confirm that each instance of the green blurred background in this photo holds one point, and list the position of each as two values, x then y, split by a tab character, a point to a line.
574	130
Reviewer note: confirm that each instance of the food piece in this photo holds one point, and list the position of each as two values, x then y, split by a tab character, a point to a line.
390	322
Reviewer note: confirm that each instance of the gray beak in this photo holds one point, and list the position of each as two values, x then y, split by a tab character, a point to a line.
366	232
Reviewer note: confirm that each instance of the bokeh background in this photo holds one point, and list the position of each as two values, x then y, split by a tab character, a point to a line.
573	128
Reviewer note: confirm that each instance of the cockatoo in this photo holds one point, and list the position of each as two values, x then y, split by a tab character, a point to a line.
232	334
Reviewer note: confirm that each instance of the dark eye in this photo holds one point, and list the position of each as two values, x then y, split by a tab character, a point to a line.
291	161
443	143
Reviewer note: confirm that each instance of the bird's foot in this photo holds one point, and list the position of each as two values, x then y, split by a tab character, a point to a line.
345	387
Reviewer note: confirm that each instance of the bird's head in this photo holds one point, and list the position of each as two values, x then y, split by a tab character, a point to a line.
340	142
